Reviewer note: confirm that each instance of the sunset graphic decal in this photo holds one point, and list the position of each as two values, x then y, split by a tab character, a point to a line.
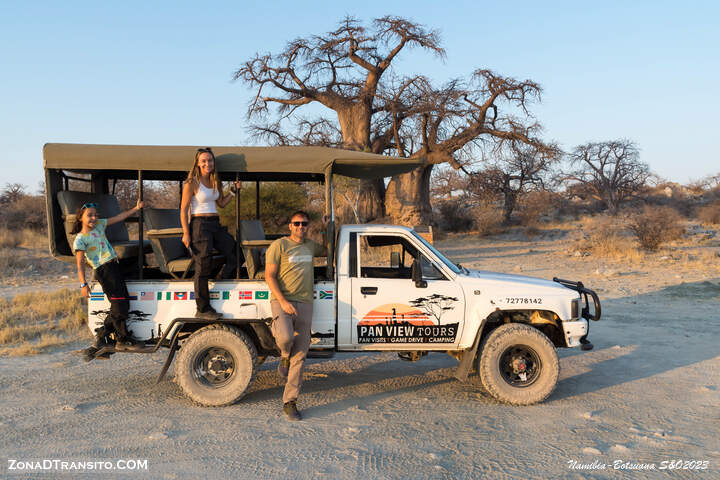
400	323
392	313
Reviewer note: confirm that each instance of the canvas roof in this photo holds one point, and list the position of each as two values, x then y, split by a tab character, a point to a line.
271	160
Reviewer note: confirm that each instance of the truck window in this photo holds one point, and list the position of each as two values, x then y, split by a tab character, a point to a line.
389	256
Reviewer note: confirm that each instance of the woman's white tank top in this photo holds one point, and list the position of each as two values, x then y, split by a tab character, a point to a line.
204	200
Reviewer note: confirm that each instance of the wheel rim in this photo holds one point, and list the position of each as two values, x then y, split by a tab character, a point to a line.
520	366
214	367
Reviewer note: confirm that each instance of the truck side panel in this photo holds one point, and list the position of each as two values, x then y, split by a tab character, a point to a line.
154	305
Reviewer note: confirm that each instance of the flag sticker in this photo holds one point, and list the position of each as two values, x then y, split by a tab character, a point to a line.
97	297
226	295
326	294
245	295
167	295
262	295
146	296
180	296
214	295
192	295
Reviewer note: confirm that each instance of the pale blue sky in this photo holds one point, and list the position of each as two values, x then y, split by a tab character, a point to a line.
160	72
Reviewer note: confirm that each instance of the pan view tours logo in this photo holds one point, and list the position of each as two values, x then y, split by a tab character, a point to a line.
418	322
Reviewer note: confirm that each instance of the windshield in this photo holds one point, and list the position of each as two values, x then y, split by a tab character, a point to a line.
439	255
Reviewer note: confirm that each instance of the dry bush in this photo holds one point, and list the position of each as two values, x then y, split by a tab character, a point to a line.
10	238
35	320
709	214
535	205
453	216
605	237
653	226
488	220
26	212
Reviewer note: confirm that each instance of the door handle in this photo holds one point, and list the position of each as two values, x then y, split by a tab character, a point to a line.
368	290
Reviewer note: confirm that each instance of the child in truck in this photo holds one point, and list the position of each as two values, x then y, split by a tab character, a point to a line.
92	245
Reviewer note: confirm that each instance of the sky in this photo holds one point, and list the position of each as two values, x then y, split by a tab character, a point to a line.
160	73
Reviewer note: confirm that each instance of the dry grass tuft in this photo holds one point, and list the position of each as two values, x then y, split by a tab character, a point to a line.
10	262
10	238
606	237
33	322
24	237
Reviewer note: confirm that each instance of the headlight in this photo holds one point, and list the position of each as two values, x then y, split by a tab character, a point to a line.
575	308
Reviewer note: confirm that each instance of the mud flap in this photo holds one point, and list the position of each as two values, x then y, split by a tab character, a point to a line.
463	370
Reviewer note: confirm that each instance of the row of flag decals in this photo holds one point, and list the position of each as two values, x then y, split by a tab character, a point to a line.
214	295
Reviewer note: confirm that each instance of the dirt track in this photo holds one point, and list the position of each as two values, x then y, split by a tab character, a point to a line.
648	393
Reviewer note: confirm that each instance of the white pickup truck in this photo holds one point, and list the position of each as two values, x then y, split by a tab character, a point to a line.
393	292
384	288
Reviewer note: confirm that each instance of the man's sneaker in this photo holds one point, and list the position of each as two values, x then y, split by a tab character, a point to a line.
291	412
284	366
208	314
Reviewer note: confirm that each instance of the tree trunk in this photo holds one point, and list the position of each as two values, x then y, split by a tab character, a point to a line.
408	197
355	126
370	202
509	205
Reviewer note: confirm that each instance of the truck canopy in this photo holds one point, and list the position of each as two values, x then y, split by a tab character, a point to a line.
253	163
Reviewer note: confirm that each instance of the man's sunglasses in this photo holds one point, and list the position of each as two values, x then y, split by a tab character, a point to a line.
89	205
299	224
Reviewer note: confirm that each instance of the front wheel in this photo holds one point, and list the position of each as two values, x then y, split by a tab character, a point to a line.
216	365
518	365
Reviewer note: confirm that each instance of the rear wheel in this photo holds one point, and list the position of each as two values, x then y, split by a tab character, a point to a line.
518	365
216	365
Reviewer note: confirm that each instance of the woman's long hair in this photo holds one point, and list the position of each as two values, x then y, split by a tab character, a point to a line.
194	174
77	225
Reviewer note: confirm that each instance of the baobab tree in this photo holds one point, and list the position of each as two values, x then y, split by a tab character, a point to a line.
611	170
513	172
346	70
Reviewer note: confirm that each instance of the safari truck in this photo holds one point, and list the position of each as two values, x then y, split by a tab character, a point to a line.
383	288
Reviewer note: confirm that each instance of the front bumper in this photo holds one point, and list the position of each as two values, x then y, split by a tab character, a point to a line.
575	331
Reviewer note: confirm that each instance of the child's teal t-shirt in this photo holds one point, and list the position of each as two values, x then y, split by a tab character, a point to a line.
98	250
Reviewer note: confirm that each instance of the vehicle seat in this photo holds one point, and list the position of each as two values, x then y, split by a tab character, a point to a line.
108	206
254	257
170	254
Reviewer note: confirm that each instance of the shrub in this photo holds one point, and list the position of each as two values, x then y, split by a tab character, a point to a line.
452	216
534	205
26	212
488	220
654	226
709	213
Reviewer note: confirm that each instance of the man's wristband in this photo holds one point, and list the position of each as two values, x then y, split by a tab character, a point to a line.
84	285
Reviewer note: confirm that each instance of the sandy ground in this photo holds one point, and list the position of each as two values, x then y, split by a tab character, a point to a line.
648	393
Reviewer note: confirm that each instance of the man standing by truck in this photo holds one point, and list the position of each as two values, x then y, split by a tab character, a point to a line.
289	273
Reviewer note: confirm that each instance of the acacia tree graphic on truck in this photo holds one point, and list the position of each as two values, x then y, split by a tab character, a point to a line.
434	305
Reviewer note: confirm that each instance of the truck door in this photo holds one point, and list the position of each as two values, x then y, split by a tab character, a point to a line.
389	310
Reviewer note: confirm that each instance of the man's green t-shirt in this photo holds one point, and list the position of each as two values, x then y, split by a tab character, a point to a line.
295	267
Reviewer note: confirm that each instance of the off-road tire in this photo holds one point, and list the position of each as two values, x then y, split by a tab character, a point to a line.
543	368
236	353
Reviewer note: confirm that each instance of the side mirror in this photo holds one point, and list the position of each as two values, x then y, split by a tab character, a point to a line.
416	274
